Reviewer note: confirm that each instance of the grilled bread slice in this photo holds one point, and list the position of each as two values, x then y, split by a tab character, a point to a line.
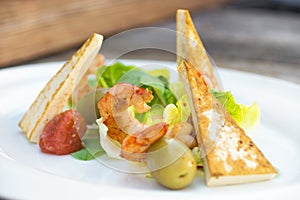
229	155
190	48
54	96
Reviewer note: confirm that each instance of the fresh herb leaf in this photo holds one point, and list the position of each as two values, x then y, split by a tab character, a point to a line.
83	154
92	147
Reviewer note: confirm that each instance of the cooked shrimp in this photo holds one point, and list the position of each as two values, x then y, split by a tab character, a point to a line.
114	109
134	146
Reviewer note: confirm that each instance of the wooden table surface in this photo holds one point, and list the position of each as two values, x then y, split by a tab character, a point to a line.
260	41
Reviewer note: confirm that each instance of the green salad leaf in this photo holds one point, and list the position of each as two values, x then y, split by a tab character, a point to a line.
171	114
197	156
155	80
247	117
177	89
183	108
154	115
169	96
92	81
92	147
178	113
160	73
108	76
142	79
83	154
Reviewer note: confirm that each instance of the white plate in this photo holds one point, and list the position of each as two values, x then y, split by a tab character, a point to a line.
26	173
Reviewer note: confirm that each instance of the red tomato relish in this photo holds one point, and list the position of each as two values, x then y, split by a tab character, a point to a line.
62	134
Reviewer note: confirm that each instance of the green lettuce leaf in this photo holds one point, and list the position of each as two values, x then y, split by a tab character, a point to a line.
183	108
160	73
83	154
92	81
196	154
171	114
177	89
169	96
108	76
154	115
92	147
155	80
178	113
248	117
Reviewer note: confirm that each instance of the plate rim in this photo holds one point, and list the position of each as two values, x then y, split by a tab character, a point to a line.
29	67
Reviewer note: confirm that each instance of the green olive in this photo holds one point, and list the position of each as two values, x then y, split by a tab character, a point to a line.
171	163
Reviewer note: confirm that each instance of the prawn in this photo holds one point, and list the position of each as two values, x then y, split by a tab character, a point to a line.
135	137
134	146
114	109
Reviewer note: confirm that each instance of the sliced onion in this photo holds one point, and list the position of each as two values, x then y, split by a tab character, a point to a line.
110	146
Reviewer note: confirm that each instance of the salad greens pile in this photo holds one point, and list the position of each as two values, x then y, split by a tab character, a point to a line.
170	102
155	80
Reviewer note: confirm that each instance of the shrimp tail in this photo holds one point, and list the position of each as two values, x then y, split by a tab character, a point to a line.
134	146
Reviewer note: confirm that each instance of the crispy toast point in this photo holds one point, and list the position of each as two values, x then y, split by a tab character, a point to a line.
54	96
190	48
229	155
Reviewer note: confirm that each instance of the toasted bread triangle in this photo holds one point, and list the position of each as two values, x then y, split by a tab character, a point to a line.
229	155
54	96
190	48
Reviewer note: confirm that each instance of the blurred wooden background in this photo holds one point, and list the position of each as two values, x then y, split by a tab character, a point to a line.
259	36
30	29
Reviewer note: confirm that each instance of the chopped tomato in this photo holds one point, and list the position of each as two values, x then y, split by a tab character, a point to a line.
62	135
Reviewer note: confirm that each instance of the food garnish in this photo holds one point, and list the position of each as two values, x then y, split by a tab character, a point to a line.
62	134
173	164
